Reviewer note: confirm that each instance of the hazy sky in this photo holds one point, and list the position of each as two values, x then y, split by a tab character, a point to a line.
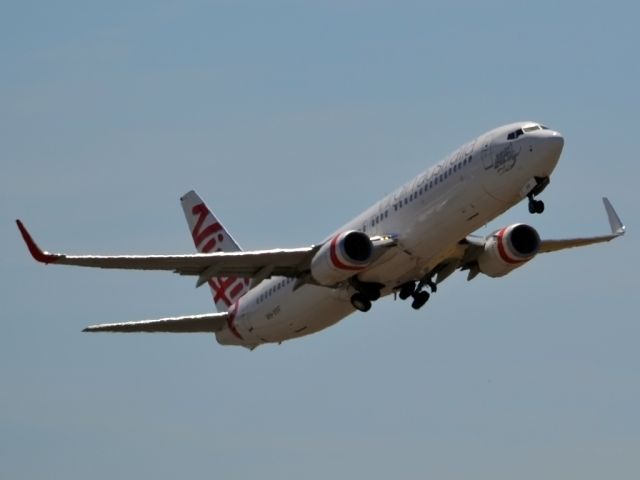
289	119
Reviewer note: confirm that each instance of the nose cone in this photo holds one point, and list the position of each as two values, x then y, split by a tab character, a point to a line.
556	142
552	144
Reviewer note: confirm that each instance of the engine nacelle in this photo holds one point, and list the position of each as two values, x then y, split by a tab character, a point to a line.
343	256
508	249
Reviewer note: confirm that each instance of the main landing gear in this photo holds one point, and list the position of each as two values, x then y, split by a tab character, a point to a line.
360	302
417	292
537	206
366	293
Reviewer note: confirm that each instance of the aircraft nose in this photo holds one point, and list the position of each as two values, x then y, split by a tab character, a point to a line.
552	144
555	142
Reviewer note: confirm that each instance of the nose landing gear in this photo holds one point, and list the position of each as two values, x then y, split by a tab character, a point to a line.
537	206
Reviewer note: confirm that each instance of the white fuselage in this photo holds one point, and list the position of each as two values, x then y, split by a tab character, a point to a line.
428	215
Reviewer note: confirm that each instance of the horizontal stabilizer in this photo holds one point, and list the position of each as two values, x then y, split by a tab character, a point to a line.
211	322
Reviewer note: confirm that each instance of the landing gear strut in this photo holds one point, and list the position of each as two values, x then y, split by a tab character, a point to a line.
537	206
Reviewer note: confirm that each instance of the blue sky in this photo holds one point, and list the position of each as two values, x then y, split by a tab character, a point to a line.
290	118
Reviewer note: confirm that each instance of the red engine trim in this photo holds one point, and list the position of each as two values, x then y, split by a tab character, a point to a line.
503	251
336	261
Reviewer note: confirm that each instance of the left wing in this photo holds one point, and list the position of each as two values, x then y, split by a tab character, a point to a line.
257	264
468	251
617	230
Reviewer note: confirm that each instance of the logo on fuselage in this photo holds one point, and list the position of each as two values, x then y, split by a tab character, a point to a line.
506	159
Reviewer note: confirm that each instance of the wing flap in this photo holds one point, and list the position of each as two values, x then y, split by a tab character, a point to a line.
212	322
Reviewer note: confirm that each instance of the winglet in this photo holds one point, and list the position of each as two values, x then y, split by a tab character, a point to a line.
34	249
617	227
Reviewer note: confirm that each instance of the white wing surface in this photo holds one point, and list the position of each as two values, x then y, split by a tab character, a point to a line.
617	230
257	264
211	322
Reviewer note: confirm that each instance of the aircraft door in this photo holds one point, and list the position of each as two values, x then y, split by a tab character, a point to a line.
485	154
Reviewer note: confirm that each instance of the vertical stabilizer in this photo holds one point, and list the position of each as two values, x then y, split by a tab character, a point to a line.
209	235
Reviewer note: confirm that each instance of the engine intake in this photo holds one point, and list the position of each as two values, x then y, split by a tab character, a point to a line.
508	249
341	257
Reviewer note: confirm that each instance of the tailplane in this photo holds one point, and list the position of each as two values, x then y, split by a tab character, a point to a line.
209	235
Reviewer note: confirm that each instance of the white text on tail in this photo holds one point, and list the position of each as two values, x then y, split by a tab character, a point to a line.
209	235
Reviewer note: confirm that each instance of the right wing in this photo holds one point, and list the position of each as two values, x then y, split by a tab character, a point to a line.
211	322
257	264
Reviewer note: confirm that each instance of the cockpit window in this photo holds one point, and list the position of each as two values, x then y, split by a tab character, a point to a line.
515	134
521	131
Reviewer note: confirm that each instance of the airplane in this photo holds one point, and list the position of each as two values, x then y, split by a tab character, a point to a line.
404	245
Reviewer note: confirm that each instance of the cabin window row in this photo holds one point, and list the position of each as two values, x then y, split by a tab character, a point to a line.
281	284
433	182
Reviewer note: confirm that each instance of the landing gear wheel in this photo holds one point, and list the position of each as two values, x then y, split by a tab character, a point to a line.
372	294
406	290
360	302
419	299
536	206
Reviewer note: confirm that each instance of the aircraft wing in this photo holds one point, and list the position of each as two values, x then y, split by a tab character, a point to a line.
211	322
470	248
617	229
257	264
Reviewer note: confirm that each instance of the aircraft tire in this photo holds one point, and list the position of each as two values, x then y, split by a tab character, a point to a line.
360	302
419	299
406	290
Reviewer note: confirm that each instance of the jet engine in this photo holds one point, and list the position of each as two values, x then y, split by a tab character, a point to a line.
341	257
508	249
